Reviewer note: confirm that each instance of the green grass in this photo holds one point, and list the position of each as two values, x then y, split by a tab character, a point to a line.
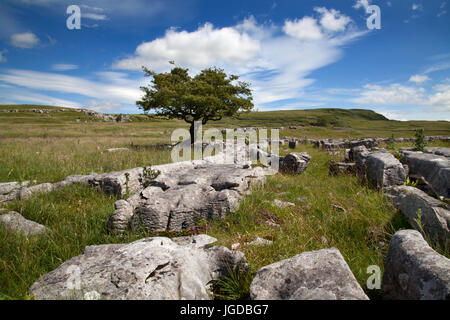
49	147
362	233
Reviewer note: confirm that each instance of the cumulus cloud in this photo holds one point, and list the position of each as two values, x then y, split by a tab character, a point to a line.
441	98
394	94
24	40
201	48
332	20
417	78
303	29
400	95
276	60
362	4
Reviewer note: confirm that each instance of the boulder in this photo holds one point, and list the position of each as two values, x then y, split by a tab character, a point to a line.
314	275
414	271
433	169
342	167
15	222
155	268
435	216
295	163
384	170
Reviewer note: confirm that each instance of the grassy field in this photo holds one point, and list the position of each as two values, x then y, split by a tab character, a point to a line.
48	147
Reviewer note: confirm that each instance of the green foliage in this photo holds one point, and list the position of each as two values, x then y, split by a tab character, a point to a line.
235	285
420	143
149	175
391	144
210	95
411	183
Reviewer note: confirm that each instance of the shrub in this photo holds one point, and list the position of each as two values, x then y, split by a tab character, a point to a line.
420	144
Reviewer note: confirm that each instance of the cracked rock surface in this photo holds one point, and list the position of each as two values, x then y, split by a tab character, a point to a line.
148	269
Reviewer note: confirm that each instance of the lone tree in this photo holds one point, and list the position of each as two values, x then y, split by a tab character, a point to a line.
210	95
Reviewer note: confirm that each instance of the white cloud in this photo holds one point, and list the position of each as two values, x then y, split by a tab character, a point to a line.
18	96
438	67
110	89
332	20
400	95
93	16
201	48
362	4
417	6
25	40
303	29
276	64
64	67
441	98
417	78
389	4
394	94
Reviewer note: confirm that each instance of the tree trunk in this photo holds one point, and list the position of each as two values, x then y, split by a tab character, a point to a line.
192	132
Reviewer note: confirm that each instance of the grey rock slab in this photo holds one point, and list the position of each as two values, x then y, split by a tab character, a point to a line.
435	216
434	169
440	151
295	163
15	222
414	271
148	269
384	170
314	275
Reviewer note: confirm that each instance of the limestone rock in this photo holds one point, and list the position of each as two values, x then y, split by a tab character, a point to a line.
435	217
148	269
414	271
295	163
15	222
384	170
314	275
433	169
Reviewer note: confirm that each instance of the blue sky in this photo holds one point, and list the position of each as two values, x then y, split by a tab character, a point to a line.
295	54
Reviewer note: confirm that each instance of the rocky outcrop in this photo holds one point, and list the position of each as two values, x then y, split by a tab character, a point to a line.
414	271
433	169
148	269
434	214
177	200
295	163
15	222
315	275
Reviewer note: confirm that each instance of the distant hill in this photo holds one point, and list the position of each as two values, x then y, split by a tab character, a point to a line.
325	122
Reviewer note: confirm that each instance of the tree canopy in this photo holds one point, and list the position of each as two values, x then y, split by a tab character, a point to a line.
209	95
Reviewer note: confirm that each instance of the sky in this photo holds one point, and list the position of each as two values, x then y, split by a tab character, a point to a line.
295	54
